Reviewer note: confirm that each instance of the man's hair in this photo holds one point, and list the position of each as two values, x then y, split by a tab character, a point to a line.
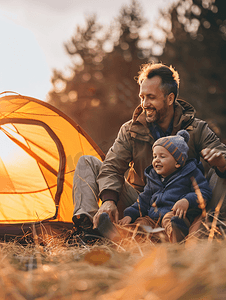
169	76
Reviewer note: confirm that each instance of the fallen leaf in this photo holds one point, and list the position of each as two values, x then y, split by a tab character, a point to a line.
97	256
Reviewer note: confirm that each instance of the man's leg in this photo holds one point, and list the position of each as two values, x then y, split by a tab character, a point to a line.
85	189
127	197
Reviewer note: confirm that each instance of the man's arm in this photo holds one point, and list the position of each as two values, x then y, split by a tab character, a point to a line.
211	148
116	163
215	158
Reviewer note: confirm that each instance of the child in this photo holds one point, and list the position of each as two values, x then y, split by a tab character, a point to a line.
169	199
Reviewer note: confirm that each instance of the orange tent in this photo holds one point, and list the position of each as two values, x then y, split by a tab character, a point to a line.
40	147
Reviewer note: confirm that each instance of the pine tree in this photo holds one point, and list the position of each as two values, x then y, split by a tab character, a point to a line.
196	47
101	90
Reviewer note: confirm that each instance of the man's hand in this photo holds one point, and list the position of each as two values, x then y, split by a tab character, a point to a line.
214	158
180	208
110	208
124	221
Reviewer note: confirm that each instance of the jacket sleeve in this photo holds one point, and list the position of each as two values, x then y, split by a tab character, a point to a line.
203	186
116	163
141	207
204	137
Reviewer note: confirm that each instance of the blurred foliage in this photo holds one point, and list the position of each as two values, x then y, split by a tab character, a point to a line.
100	92
196	47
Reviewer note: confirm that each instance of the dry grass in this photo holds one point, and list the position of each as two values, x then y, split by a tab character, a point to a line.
132	269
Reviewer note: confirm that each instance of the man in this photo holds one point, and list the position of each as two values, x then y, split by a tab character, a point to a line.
159	114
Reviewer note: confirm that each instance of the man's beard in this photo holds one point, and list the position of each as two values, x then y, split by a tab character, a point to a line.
157	116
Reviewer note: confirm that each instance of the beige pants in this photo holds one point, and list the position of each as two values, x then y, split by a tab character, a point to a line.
85	188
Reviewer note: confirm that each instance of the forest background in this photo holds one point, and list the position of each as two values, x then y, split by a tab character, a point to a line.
100	94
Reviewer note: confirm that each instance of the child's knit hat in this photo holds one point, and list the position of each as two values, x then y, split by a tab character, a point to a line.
176	145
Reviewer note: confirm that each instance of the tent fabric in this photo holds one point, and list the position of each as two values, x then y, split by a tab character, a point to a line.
39	150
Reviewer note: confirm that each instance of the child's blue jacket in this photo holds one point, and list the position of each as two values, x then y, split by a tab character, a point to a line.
165	194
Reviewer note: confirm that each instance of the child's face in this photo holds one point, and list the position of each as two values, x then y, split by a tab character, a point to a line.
163	162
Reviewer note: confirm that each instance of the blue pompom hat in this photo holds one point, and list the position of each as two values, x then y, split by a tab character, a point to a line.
176	145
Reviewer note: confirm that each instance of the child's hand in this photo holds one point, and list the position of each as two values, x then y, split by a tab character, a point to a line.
180	208
126	220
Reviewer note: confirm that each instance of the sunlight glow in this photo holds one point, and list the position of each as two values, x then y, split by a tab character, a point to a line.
7	148
33	34
23	65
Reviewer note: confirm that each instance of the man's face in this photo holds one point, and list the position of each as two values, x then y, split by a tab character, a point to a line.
163	162
153	100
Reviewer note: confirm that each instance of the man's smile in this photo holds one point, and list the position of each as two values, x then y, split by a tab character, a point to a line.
150	111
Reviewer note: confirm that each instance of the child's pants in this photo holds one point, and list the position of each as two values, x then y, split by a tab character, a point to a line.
165	223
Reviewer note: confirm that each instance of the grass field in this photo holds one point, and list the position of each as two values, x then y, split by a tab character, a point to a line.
132	269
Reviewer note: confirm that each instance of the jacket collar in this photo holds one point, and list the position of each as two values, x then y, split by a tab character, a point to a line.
184	114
